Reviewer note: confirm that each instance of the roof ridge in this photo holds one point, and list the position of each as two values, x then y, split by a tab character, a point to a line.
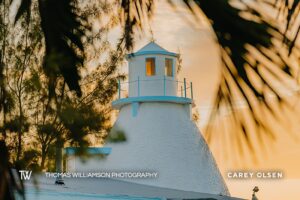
152	46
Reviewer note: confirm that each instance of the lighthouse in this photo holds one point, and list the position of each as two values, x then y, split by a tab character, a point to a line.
155	116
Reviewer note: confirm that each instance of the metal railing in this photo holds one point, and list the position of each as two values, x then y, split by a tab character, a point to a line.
183	88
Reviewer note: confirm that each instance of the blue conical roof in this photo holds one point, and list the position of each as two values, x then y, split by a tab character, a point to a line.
152	48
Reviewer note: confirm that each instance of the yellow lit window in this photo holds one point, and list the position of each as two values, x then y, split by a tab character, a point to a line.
168	67
150	66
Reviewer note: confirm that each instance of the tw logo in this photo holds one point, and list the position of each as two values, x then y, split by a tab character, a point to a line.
25	175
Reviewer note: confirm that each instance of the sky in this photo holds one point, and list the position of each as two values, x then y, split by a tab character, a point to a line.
179	31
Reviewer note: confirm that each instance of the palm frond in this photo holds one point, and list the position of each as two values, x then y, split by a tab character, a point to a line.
251	58
133	15
290	11
63	32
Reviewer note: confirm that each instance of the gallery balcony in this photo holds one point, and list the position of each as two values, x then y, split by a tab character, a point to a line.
158	89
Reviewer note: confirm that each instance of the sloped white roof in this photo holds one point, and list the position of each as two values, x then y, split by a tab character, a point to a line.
106	189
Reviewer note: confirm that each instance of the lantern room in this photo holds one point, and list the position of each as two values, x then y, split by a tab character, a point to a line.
152	72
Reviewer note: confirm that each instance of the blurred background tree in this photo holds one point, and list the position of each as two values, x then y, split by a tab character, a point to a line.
43	111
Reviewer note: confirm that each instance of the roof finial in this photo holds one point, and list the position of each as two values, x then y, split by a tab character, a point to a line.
152	39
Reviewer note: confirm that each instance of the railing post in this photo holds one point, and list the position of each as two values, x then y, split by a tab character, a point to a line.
119	88
192	96
164	85
138	86
181	90
184	82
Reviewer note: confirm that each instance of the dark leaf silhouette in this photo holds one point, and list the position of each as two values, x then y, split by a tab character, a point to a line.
133	15
63	32
251	53
290	11
247	50
9	183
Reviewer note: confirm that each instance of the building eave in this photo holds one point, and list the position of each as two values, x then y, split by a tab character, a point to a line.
117	104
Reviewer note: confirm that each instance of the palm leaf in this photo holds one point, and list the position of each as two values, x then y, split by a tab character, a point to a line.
246	44
63	32
290	11
250	56
133	14
247	41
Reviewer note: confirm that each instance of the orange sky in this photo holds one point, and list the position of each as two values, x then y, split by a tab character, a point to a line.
201	64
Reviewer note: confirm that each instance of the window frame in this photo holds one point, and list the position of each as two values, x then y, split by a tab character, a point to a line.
154	66
172	67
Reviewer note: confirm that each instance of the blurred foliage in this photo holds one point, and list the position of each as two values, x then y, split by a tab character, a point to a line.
30	160
54	81
256	65
63	30
38	105
249	42
116	135
289	10
258	57
195	116
134	15
10	183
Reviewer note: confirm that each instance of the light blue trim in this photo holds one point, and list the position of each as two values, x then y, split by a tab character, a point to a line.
181	91
164	85
152	52
170	99
134	109
65	194
89	150
192	95
119	88
184	82
138	86
172	66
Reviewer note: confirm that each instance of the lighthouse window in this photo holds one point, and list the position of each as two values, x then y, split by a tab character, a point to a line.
150	66
168	67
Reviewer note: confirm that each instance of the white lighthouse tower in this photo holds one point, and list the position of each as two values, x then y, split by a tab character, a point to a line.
155	115
156	119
